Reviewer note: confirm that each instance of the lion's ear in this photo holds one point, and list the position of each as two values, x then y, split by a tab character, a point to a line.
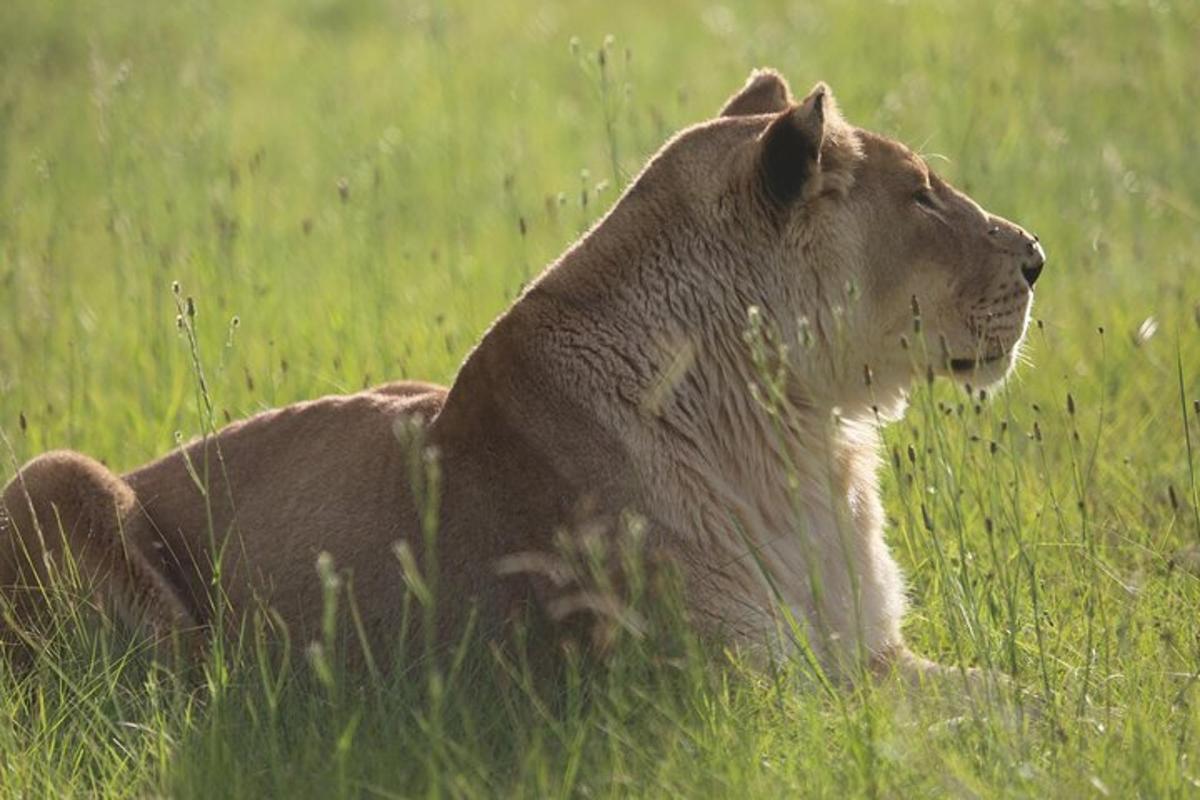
791	147
765	92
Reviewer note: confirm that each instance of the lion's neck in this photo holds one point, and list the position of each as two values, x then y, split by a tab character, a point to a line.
616	344
659	349
642	332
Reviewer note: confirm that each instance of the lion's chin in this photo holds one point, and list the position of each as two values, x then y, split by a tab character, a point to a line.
984	370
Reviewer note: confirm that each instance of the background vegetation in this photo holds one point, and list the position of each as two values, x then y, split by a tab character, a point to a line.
353	190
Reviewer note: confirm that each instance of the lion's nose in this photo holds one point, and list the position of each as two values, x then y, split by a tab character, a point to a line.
1035	259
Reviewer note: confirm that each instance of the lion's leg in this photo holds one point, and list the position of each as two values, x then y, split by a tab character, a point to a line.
66	516
921	677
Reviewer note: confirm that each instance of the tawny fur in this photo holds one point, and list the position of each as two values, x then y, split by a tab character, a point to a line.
621	381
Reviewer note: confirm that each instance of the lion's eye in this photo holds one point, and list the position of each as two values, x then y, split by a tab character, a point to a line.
924	197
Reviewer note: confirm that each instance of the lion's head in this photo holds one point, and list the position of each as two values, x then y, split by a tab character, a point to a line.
851	236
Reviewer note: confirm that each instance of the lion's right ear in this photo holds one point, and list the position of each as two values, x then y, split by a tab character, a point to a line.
791	148
765	92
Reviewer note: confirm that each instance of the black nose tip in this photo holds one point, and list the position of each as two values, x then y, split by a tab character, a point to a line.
1031	268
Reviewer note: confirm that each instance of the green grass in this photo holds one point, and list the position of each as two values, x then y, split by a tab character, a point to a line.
365	185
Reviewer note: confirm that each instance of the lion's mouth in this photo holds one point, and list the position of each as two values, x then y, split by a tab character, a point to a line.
969	364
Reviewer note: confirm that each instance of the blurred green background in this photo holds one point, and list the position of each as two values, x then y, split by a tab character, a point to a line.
351	191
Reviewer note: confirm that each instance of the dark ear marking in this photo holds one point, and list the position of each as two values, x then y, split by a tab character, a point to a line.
765	92
791	149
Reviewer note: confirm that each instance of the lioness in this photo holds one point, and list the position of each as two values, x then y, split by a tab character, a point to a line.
621	381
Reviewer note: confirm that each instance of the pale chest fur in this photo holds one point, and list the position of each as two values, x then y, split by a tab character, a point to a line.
780	534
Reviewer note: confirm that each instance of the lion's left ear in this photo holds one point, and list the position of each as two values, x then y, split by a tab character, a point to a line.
791	147
765	92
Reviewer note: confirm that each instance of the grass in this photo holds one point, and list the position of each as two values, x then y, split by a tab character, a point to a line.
352	191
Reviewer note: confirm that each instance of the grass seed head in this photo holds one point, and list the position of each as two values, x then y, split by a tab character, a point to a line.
805	334
1145	332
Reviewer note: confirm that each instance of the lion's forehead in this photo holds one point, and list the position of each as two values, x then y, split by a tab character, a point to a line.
890	159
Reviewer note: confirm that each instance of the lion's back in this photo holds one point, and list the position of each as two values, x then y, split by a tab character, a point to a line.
329	475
